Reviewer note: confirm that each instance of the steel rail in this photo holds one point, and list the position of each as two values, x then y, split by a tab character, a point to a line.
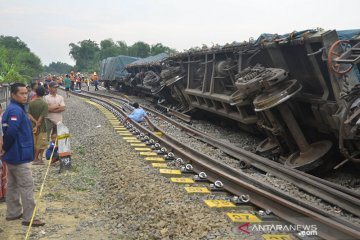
264	196
330	192
284	206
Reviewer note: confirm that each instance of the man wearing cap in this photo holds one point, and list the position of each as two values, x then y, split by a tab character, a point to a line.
56	106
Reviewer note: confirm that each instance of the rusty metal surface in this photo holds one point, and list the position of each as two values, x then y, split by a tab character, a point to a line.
240	79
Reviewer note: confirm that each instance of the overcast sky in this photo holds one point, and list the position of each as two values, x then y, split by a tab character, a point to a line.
47	27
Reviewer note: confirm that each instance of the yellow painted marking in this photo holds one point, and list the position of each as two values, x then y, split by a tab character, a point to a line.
122	131
120	128
148	154
277	237
143	149
160	134
219	203
243	217
88	101
159	165
170	171
130	138
155	159
137	144
132	141
182	180
125	134
197	190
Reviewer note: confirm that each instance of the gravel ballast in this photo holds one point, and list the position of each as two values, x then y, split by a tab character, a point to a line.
112	193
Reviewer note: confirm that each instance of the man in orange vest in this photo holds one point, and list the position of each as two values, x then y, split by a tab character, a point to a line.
95	80
78	81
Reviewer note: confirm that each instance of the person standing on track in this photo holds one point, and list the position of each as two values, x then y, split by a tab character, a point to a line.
72	79
78	81
87	81
95	80
67	83
18	152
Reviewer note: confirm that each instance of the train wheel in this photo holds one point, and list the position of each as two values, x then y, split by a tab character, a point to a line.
335	51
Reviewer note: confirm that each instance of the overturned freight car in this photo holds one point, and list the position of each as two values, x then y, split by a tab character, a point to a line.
112	70
144	75
300	89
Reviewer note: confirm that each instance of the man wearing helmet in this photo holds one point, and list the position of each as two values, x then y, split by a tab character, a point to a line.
95	80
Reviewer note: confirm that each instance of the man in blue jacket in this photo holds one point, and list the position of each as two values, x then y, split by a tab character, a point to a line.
18	152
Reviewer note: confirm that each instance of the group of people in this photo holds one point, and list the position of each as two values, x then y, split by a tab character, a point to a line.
74	81
24	136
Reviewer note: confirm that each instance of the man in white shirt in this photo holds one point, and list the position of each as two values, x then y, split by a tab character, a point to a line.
56	106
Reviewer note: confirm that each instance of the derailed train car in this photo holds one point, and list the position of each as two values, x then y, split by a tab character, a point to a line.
301	90
112	70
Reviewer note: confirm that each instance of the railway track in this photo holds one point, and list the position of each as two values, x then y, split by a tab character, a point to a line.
238	183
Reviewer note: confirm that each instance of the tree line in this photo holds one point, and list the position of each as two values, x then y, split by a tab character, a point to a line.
87	53
17	62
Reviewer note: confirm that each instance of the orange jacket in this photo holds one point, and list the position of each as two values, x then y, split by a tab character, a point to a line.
94	77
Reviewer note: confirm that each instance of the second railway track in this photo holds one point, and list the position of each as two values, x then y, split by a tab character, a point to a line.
330	227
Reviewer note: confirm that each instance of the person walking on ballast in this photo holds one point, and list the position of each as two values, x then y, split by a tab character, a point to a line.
18	153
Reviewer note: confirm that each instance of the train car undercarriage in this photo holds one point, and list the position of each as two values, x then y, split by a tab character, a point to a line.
300	90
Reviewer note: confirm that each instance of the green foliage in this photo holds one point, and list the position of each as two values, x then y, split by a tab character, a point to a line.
17	62
10	42
159	48
139	49
87	54
58	68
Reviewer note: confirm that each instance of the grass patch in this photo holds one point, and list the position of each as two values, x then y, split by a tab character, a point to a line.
74	168
54	195
81	150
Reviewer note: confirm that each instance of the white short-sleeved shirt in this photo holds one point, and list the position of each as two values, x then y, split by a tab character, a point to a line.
51	101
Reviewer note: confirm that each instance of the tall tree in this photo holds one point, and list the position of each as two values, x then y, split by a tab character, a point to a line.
85	54
58	68
139	49
124	49
17	62
160	48
108	49
10	42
